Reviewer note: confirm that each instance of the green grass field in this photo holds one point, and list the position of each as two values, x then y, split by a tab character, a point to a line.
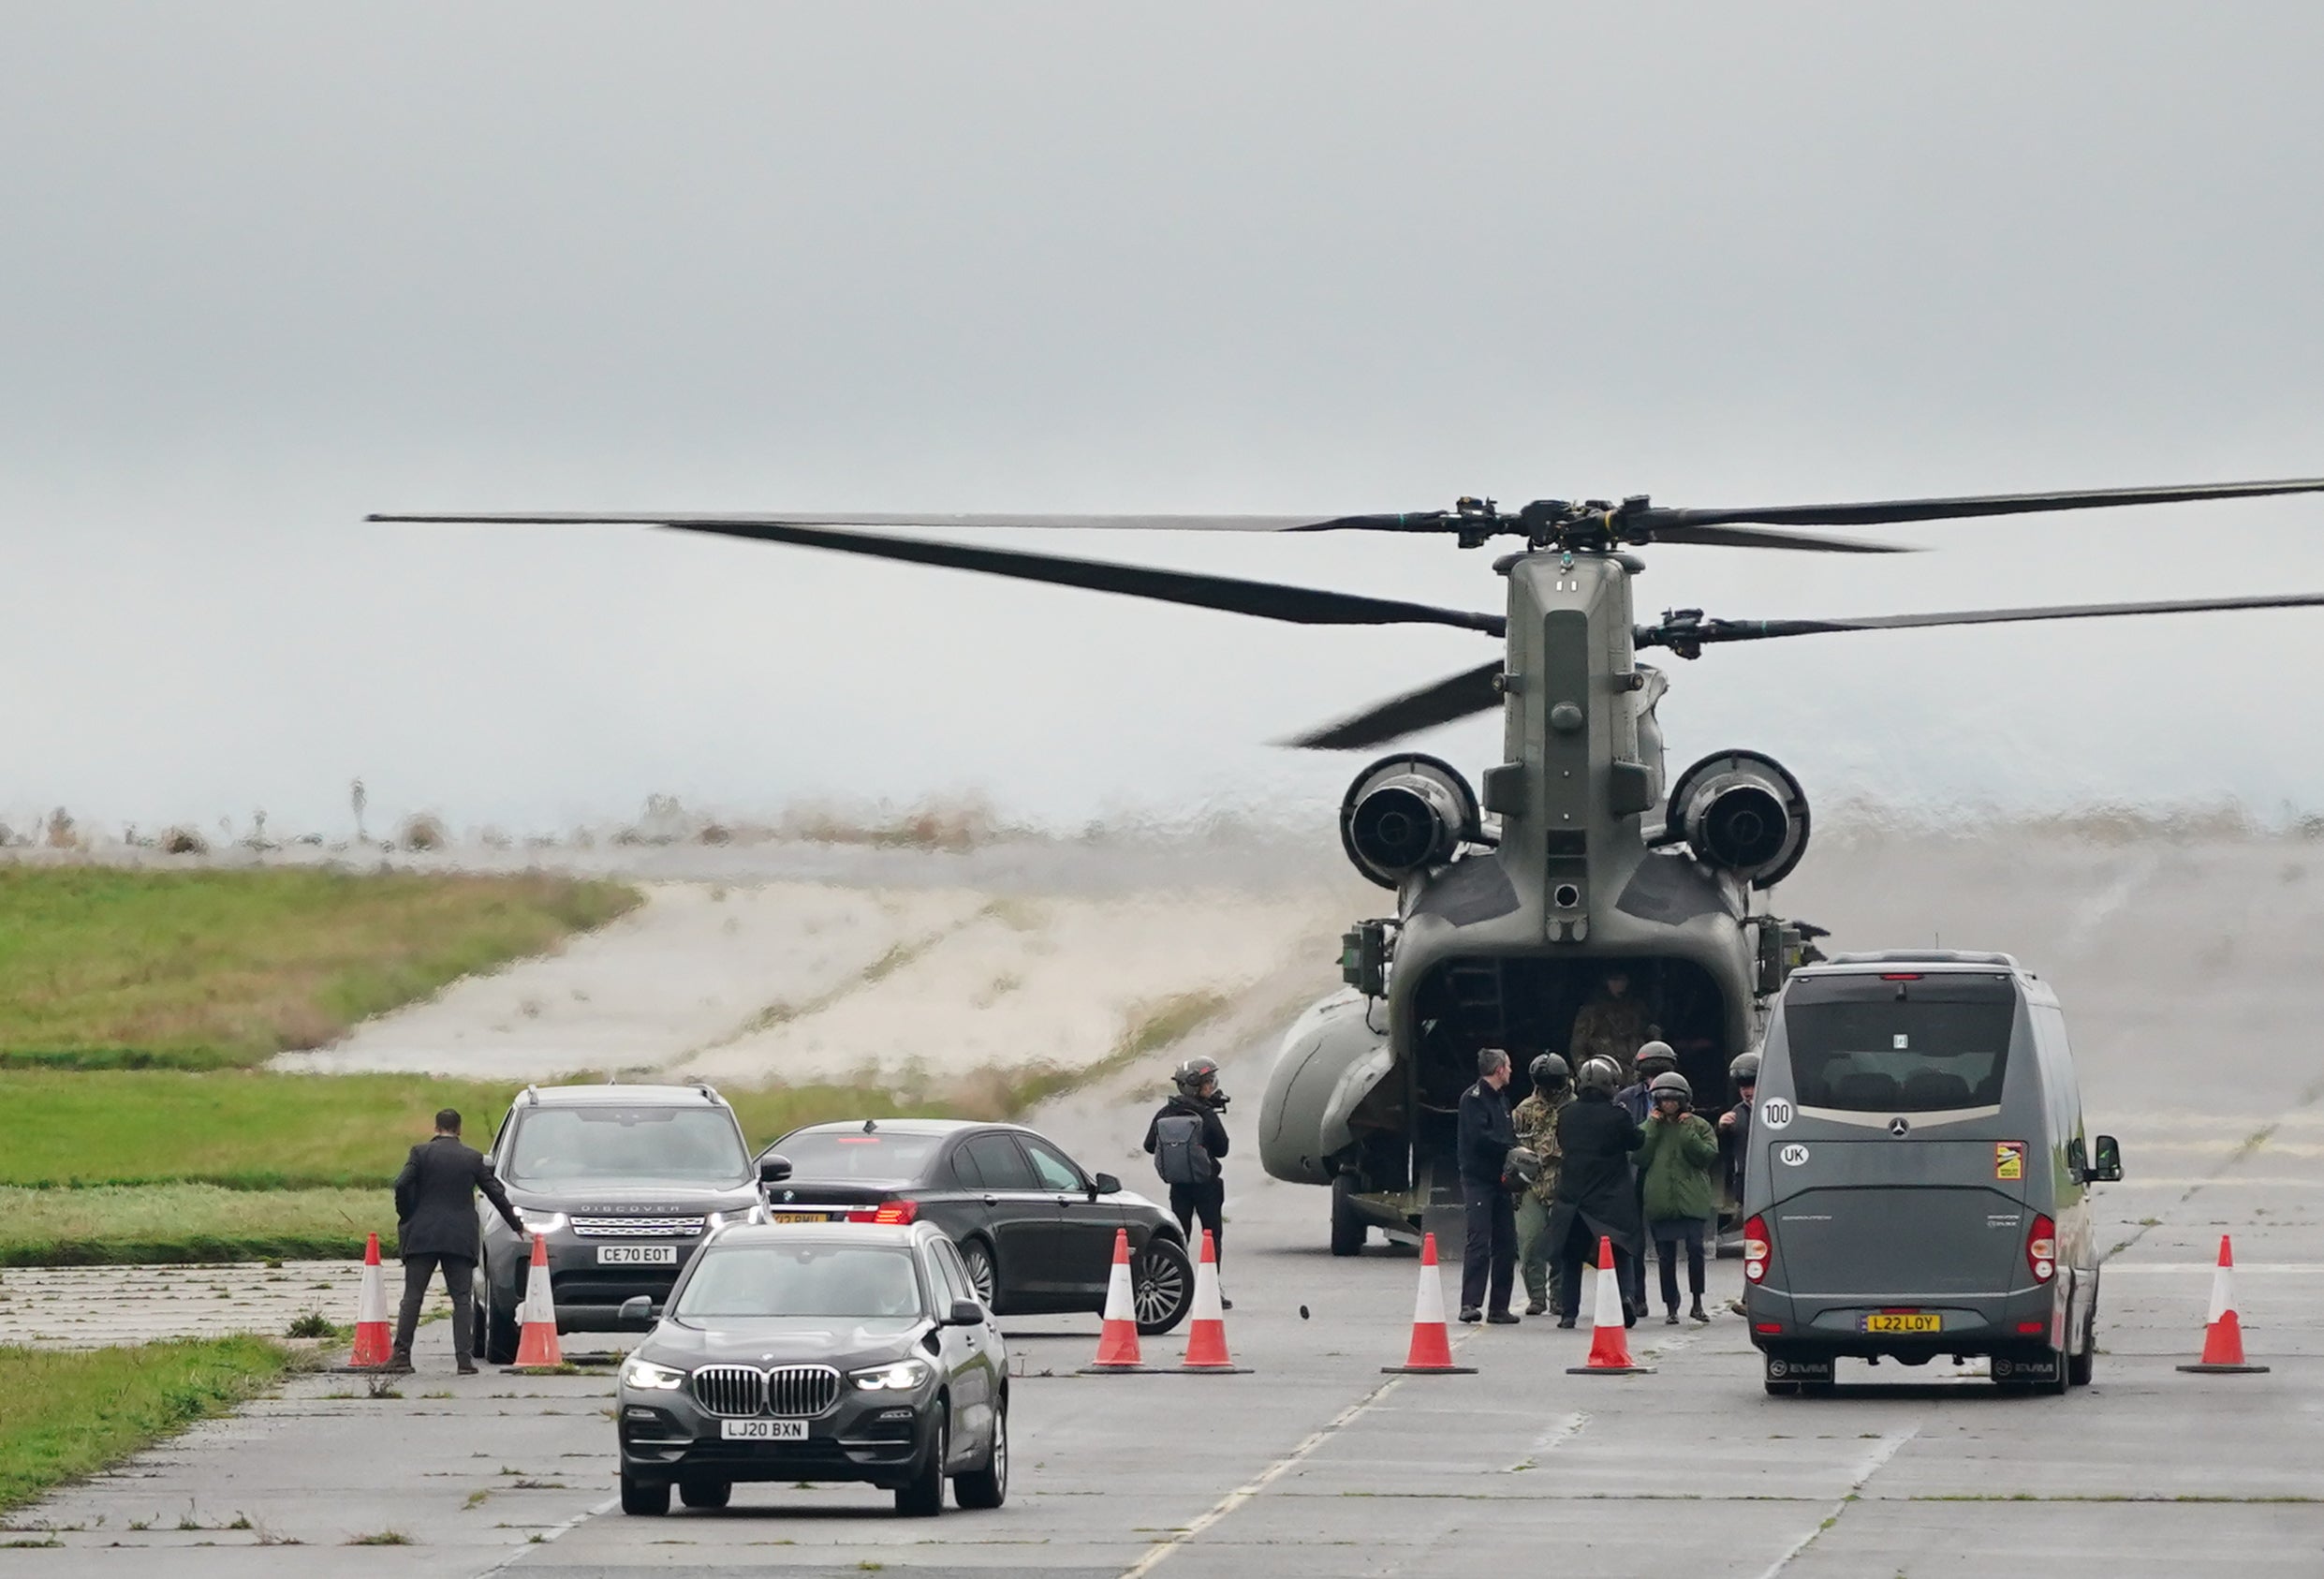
189	1222
165	1165
65	1415
123	969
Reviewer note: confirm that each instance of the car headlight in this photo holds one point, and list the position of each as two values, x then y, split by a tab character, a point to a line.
647	1377
902	1377
541	1222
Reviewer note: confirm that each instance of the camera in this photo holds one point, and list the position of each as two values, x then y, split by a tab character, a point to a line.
1218	1100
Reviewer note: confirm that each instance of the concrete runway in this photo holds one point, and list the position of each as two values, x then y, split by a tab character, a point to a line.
2193	1003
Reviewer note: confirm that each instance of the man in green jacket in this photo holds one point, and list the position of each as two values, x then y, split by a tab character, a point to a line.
1537	1127
1676	1160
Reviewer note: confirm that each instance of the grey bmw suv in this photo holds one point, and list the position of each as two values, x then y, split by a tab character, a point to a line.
623	1182
840	1352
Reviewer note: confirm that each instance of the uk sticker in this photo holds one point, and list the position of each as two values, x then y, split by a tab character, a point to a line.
1775	1112
1792	1155
2008	1159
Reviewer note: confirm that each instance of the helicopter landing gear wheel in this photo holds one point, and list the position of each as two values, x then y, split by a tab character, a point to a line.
1348	1228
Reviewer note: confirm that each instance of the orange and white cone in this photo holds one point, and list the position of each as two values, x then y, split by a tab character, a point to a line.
1117	1344
1609	1344
536	1343
1206	1334
2223	1332
374	1345
1431	1353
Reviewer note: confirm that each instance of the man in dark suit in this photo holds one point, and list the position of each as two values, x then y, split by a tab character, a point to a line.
436	1218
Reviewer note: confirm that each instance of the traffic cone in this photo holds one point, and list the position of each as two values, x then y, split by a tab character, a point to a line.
1431	1353
373	1345
2223	1334
1117	1344
1610	1345
1206	1336
536	1343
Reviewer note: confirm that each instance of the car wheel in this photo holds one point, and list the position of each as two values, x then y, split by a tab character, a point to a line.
499	1331
1349	1228
922	1495
983	1276
648	1498
704	1494
1161	1286
988	1487
2078	1368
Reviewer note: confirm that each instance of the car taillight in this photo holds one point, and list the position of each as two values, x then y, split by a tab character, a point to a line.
1755	1248
890	1213
2041	1249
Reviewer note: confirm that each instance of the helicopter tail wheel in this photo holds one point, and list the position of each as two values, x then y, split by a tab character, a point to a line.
1348	1228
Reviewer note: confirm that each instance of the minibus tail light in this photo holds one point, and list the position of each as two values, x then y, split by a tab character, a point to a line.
2041	1249
1755	1248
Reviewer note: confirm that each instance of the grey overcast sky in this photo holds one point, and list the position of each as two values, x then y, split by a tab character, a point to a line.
266	268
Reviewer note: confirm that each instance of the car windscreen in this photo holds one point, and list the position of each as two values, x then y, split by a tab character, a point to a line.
602	1145
852	1153
812	1280
1902	1044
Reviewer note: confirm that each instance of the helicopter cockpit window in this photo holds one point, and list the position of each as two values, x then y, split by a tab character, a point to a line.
1888	1047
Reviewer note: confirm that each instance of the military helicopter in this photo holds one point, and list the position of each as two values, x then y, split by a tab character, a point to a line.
1573	856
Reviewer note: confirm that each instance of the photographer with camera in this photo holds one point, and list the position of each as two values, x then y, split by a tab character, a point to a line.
1186	1139
1675	1160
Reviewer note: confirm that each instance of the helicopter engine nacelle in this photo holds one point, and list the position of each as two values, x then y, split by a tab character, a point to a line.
1404	814
1743	813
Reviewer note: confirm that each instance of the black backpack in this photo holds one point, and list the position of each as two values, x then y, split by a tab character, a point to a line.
1179	1153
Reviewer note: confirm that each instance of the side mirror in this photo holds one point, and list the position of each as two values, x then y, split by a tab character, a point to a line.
964	1313
2106	1165
637	1311
774	1169
1105	1184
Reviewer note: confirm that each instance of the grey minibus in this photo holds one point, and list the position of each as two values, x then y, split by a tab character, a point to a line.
1917	1183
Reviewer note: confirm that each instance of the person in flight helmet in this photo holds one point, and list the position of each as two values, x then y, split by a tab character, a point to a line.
1735	1123
1536	1130
1188	1141
1675	1160
1597	1197
1653	1058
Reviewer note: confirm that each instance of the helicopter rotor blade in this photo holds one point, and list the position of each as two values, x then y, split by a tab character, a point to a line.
1297	605
1748	536
1472	690
1880	512
1682	635
1416	521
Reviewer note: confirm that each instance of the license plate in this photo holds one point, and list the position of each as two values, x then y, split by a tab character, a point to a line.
1904	1322
801	1216
763	1430
637	1255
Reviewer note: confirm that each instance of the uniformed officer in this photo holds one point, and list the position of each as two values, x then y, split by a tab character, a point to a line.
1485	1137
1536	1130
1610	1026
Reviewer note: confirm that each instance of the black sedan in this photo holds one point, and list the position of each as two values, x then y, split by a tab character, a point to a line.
1035	1230
816	1354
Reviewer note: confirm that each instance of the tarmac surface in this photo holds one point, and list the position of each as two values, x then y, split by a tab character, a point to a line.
2193	1005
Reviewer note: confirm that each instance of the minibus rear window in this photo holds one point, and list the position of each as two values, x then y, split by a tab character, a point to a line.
1863	1046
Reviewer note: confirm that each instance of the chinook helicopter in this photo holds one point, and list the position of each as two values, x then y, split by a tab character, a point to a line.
1574	856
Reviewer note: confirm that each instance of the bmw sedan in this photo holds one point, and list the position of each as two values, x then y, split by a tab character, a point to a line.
837	1353
1034	1229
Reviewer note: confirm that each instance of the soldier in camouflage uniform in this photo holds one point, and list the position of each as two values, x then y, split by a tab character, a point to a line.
1536	1129
1610	1026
